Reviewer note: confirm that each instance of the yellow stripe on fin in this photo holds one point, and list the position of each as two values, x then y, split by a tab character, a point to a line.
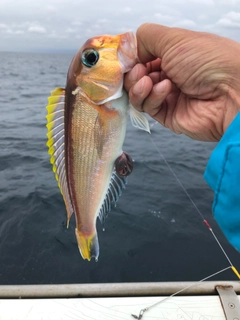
58	91
51	107
56	143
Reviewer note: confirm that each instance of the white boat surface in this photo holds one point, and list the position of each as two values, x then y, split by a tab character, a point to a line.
118	301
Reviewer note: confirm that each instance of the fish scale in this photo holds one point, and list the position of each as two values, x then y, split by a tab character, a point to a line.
84	158
88	172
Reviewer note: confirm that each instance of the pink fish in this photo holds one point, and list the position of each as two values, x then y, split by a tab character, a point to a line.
86	129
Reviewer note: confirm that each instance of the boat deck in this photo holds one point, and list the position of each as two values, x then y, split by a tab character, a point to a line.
119	301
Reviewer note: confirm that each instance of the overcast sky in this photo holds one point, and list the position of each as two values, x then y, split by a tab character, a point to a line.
63	25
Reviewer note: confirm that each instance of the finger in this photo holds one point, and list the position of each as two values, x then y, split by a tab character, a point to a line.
139	92
134	75
153	104
155	76
154	65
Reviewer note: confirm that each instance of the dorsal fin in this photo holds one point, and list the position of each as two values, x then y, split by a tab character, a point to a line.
116	185
56	143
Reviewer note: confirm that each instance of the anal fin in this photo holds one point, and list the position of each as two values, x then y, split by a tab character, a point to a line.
116	185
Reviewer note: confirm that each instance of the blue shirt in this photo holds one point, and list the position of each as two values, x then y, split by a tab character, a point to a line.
223	176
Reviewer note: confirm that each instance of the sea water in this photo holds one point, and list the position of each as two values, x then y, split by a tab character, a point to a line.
154	233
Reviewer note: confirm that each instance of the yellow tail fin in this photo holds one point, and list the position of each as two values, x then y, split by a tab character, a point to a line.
88	245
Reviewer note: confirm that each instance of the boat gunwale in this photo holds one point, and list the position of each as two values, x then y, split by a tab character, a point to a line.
87	290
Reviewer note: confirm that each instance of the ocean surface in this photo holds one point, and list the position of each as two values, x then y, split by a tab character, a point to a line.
154	234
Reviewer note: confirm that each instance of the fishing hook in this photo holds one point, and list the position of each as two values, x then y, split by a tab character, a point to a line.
140	314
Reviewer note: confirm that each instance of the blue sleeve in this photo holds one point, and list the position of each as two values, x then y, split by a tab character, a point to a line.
223	176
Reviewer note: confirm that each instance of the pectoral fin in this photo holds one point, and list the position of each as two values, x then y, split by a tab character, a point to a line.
139	120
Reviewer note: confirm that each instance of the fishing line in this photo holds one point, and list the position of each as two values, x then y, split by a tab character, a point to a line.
191	200
209	228
193	203
176	293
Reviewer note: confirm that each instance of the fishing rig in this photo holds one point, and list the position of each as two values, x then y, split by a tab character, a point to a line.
230	266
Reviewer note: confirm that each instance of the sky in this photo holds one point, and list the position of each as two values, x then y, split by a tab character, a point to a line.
63	25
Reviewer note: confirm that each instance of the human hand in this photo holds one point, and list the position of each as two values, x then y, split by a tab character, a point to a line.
188	81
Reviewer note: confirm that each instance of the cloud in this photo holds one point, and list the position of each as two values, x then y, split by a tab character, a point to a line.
126	10
103	20
10	30
229	2
37	29
71	30
186	23
60	24
202	17
3	26
227	23
209	3
230	20
51	8
77	23
57	35
235	16
163	18
19	32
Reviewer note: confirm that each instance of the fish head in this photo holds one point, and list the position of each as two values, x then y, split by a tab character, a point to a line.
98	67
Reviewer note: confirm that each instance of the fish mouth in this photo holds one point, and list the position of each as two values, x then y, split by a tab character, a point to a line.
127	51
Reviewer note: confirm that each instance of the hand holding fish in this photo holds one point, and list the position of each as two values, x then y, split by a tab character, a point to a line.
188	81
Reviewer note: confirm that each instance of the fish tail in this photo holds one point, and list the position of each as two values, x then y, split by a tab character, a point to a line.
88	245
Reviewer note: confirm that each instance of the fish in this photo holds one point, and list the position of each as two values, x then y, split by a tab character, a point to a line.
86	124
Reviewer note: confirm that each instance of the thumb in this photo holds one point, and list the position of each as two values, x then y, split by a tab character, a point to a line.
154	40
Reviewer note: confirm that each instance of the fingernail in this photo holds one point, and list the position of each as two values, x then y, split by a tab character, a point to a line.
138	87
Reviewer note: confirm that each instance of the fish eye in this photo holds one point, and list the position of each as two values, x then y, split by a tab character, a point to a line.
90	57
